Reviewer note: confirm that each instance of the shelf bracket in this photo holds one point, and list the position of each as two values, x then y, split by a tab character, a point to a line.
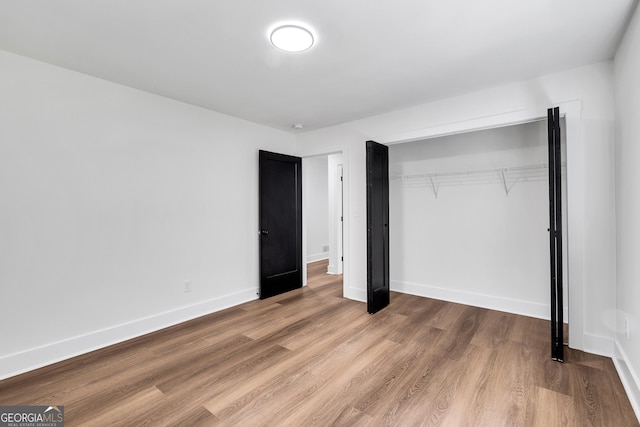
434	186
504	181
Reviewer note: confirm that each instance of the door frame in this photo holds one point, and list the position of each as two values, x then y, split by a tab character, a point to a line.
340	227
572	113
305	220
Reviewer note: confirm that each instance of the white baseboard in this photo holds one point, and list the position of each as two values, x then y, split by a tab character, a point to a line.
601	346
317	257
630	381
508	305
355	294
334	269
28	360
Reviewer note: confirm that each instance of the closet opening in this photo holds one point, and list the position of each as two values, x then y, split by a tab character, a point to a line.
469	218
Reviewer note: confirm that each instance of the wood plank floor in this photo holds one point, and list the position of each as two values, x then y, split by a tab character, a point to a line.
310	357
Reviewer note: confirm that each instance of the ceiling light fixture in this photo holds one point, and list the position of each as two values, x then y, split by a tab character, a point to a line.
297	126
291	38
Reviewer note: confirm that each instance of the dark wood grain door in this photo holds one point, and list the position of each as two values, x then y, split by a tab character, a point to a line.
377	226
280	223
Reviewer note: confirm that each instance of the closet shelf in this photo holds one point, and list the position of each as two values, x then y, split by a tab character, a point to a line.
507	176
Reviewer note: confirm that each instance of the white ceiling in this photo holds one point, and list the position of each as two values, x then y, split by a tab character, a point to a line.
371	56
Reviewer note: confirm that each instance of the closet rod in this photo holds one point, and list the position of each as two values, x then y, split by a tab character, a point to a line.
523	168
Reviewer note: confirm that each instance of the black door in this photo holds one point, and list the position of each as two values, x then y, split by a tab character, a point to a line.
555	233
377	226
280	223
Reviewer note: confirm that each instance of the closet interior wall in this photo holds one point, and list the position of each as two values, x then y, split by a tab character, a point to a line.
469	215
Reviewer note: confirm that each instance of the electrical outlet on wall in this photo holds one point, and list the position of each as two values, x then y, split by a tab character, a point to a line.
187	286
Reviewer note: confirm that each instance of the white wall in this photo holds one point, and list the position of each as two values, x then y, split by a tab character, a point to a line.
316	196
627	92
592	86
465	237
111	198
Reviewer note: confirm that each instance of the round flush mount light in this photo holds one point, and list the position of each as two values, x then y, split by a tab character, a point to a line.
291	38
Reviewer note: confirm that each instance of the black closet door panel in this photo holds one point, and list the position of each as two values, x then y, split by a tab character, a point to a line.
555	233
377	226
280	223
